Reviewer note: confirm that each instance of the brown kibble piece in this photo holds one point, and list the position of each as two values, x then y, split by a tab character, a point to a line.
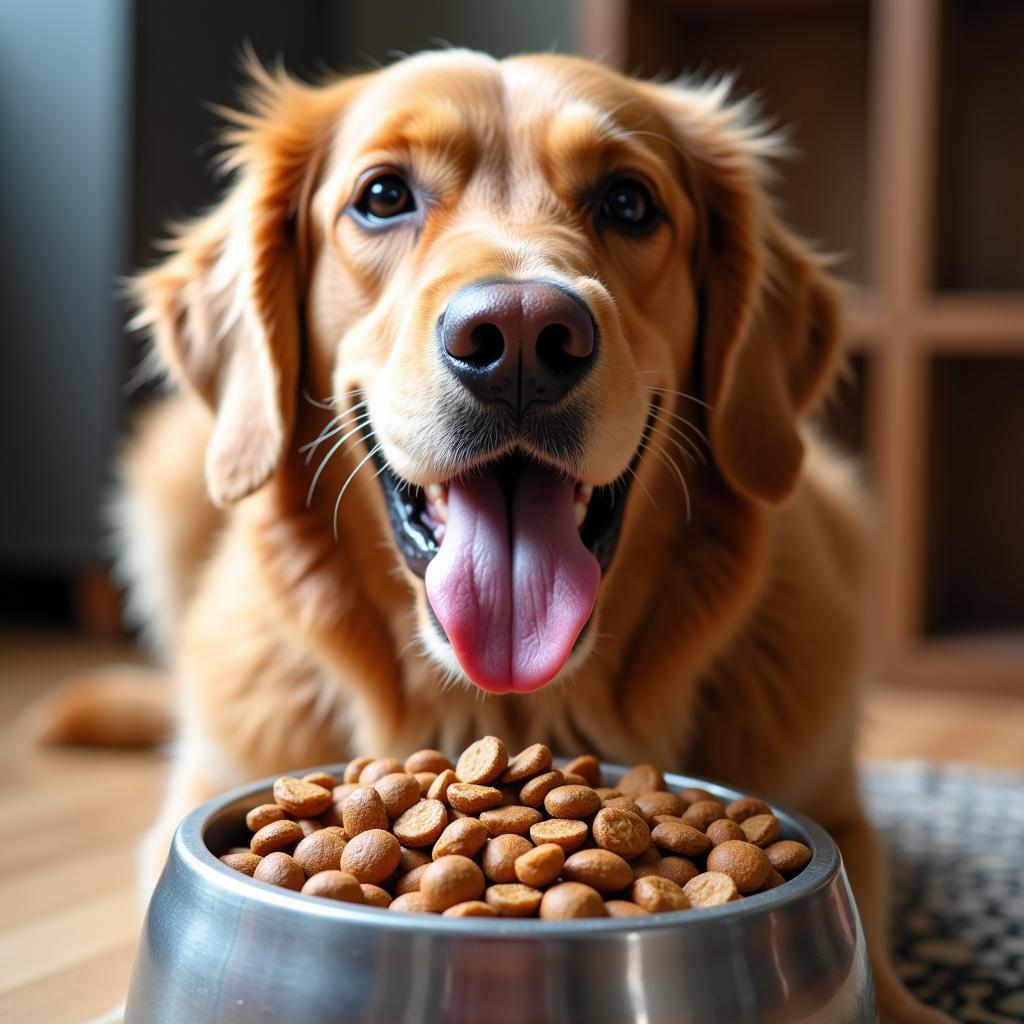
334	885
760	829
676	869
600	869
746	807
422	824
513	819
409	860
572	802
530	761
280	869
574	779
302	799
427	760
623	803
680	838
465	836
353	768
571	900
540	866
341	793
261	816
722	830
570	834
773	881
702	813
482	761
659	802
410	882
471	908
512	899
470	798
588	766
439	787
747	865
371	856
500	856
711	889
425	780
694	794
275	837
325	779
644	778
378	768
621	831
450	880
374	895
533	792
321	851
244	862
410	903
310	825
787	856
624	908
362	811
399	792
659	895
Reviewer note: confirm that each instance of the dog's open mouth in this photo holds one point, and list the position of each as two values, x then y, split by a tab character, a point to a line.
512	555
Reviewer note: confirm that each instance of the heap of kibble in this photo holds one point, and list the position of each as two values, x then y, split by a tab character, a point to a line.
512	837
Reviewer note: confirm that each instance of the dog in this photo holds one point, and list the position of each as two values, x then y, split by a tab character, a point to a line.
491	381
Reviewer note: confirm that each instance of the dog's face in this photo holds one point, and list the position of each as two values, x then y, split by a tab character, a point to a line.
510	273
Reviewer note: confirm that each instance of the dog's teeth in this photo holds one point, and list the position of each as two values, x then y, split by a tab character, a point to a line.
437	501
439	532
580	512
583	494
434	492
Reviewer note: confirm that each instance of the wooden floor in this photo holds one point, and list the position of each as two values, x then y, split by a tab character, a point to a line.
71	818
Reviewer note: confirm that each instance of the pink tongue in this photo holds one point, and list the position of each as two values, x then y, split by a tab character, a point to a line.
512	596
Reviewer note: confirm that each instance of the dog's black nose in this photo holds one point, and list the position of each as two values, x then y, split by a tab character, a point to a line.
518	342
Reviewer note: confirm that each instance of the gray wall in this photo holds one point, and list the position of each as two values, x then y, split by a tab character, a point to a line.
63	131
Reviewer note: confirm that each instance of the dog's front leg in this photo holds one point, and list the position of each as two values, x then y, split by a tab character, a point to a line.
194	778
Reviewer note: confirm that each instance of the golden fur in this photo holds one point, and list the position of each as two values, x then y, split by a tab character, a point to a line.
726	644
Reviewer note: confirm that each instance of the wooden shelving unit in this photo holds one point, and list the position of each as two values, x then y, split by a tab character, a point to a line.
908	117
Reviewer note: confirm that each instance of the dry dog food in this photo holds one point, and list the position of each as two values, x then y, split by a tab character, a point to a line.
495	835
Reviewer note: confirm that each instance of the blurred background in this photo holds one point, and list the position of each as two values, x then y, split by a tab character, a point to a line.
907	120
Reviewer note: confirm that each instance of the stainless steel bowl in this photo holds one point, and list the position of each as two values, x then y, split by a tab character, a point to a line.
220	948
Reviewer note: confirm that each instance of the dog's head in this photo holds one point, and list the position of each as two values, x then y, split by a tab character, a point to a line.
527	284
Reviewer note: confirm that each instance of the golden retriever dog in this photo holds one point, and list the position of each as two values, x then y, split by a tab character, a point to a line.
490	379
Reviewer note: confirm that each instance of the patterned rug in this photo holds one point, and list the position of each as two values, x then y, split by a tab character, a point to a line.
956	843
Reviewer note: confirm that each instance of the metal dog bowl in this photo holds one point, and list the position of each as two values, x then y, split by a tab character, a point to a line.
220	948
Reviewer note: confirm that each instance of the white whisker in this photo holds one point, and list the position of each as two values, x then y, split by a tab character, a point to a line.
688	423
335	428
327	458
633	474
344	487
669	461
681	394
691	444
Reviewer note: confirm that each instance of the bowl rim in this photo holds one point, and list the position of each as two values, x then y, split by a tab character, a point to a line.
189	846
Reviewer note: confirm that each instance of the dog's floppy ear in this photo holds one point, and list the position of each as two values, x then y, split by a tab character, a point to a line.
770	314
224	307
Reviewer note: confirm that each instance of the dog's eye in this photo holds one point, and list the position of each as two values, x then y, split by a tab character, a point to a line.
384	198
628	203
